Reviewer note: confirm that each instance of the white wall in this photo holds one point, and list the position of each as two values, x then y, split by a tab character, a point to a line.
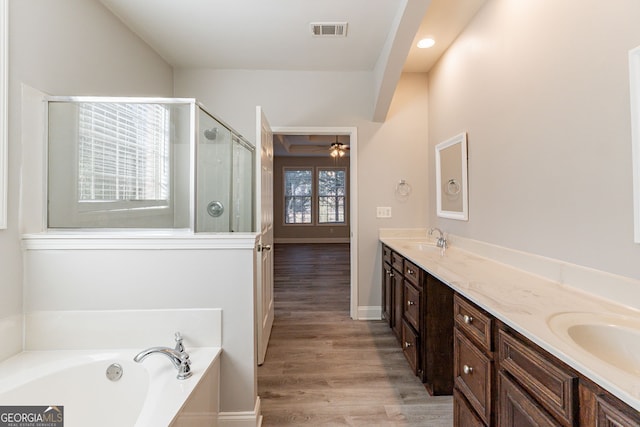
387	152
542	88
62	47
138	273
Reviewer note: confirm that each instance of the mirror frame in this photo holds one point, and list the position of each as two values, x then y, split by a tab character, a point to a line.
4	125
634	89
462	215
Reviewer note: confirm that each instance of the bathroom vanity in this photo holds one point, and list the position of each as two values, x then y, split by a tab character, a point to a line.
500	350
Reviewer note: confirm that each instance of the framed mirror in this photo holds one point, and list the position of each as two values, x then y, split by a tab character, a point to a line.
451	178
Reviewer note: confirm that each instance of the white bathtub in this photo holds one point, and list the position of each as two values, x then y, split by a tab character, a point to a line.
147	395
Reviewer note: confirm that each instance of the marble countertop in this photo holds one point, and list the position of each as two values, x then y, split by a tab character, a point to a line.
527	302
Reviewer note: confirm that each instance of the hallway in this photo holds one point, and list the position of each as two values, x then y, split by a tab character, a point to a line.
324	369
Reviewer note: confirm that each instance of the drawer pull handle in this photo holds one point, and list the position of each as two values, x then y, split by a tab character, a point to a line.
467	369
467	319
410	271
391	274
407	344
410	303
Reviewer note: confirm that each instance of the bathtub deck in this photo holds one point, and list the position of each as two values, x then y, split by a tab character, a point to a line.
321	367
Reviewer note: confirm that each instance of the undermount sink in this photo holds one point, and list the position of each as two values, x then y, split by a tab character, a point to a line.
612	339
424	246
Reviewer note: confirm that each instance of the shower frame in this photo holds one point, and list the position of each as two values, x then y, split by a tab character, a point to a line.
194	121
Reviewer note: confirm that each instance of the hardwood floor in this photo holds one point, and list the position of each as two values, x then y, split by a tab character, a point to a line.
324	369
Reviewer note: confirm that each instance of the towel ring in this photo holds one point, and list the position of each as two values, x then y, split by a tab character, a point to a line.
453	187
403	188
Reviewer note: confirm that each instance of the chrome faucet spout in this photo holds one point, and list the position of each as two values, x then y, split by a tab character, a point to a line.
179	359
442	240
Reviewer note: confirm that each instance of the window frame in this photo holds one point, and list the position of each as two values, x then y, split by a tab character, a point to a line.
315	197
284	196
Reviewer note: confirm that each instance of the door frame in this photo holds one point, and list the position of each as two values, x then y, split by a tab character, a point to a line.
352	132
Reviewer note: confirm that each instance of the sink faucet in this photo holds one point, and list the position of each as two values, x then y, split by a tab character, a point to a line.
442	240
177	355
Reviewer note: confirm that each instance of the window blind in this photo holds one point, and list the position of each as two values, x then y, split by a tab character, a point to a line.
123	152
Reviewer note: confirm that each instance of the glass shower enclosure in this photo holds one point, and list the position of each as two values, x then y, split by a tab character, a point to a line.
146	163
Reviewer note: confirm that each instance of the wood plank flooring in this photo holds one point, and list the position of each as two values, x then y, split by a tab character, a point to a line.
324	369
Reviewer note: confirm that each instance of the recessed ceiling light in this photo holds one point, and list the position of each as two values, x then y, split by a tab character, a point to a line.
426	43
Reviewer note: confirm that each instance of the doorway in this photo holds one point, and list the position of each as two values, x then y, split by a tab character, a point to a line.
352	134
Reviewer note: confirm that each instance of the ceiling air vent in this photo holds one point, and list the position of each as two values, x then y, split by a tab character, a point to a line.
329	29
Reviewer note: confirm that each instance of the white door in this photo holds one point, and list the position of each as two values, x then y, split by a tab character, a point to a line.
264	253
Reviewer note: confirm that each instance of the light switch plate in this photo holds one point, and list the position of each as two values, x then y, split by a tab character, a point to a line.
383	212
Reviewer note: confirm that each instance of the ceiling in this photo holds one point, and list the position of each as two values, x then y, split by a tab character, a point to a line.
276	35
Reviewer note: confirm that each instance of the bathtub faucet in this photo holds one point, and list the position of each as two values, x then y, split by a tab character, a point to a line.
178	357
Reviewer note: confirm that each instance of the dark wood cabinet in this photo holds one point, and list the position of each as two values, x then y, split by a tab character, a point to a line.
418	308
517	409
437	336
473	369
598	408
546	383
497	376
387	286
463	415
392	292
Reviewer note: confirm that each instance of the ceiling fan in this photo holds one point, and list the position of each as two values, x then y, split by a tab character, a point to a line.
338	149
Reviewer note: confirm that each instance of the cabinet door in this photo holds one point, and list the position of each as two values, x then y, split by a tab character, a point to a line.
472	374
410	346
517	409
610	416
412	305
397	298
463	415
387	288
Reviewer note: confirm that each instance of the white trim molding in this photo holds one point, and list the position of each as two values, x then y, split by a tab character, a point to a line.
373	312
4	124
353	195
241	419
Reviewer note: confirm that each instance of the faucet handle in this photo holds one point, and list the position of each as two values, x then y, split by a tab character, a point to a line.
179	347
184	371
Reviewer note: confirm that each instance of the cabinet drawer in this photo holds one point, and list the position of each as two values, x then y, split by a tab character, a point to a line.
410	345
463	415
386	254
517	409
412	305
554	388
472	374
475	323
397	262
412	272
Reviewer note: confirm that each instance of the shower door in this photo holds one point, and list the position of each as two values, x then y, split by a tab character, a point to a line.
213	181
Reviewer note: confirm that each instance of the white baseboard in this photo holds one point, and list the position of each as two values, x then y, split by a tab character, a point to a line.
241	419
373	312
311	240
